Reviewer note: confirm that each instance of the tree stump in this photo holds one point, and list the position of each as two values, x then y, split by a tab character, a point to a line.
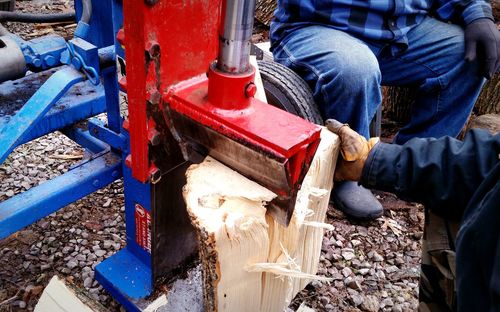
397	101
264	11
489	122
250	262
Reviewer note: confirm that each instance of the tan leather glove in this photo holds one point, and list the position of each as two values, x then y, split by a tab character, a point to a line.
354	150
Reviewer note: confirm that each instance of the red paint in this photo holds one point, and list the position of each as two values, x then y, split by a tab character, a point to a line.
169	47
258	125
122	83
125	124
227	91
120	36
250	90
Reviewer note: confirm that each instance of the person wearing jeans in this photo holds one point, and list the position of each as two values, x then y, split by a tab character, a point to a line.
346	49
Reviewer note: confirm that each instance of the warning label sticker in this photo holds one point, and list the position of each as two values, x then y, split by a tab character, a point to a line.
143	227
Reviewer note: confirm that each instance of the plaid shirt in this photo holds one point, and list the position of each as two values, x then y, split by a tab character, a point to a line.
386	21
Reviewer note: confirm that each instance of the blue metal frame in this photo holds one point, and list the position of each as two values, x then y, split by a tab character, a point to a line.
40	201
65	98
127	275
80	102
34	110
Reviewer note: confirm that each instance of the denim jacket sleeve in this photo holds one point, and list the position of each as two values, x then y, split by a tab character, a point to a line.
466	11
442	174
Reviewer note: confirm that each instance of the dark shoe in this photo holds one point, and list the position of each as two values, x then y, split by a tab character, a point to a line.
356	201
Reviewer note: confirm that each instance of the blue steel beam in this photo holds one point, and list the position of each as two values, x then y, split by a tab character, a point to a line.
100	131
40	201
84	139
126	278
36	107
82	101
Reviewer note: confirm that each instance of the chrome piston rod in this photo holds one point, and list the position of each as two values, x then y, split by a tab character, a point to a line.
235	35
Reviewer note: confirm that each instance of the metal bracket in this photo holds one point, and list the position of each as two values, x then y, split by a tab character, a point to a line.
98	129
81	53
36	107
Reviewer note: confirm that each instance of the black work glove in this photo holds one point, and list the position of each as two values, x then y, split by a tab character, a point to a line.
483	35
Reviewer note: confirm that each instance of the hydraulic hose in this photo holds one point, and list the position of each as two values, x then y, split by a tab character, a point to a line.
36	18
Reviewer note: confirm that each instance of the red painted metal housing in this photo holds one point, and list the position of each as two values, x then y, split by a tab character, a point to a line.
186	33
170	47
260	126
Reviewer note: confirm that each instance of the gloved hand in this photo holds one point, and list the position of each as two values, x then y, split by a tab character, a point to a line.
483	36
354	150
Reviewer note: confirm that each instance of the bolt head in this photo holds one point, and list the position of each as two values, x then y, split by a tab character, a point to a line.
154	137
154	96
37	62
251	90
153	48
50	60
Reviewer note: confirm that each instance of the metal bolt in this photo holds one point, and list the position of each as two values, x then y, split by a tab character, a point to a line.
154	96
50	60
153	48
95	183
155	175
128	161
250	90
37	62
154	137
151	2
122	83
120	36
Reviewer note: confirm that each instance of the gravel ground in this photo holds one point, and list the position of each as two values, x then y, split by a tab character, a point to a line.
375	265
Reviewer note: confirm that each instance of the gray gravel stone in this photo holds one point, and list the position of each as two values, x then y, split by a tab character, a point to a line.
346	271
387	302
87	283
357	300
370	304
375	256
100	253
71	264
348	255
107	244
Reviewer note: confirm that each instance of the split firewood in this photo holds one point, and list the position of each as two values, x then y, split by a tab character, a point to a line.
55	24
249	261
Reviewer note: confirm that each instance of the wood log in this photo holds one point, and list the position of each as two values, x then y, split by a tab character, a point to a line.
243	250
397	101
489	99
495	4
264	11
489	122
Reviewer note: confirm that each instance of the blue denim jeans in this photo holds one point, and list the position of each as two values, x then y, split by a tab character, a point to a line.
346	73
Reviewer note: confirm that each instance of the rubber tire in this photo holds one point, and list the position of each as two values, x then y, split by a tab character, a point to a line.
286	90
